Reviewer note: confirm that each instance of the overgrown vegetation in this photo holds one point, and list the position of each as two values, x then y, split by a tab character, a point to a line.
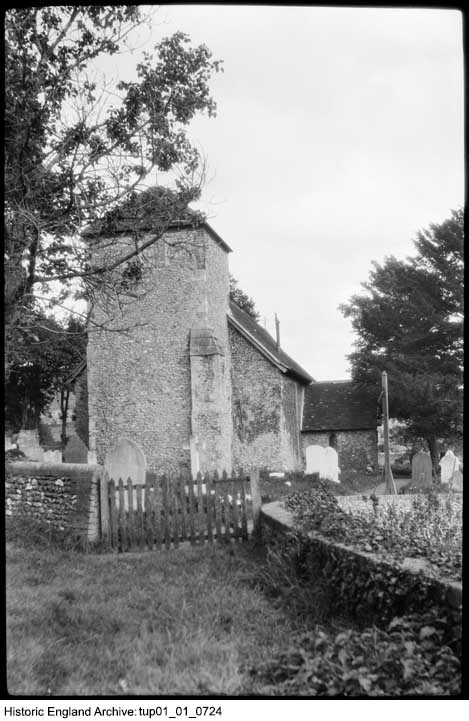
242	299
279	488
409	657
35	533
401	637
430	528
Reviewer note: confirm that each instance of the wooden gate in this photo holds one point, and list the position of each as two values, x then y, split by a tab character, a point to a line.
165	512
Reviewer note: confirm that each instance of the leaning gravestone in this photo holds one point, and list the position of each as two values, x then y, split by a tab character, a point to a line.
331	469
126	460
422	472
314	459
75	451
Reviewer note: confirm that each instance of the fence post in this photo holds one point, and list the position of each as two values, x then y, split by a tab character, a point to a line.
104	504
256	500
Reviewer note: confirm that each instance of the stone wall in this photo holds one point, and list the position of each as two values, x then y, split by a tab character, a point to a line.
358	581
356	449
63	496
264	407
139	383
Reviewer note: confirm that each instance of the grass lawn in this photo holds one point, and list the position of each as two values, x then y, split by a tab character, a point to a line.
179	622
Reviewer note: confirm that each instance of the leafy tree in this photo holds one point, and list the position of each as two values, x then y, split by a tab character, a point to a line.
49	354
410	324
74	148
242	299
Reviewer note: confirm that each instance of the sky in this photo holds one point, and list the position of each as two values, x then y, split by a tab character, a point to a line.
338	136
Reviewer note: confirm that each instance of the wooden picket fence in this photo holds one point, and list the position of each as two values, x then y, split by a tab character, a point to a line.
164	512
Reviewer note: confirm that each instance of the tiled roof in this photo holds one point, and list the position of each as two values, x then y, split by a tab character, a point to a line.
338	405
264	342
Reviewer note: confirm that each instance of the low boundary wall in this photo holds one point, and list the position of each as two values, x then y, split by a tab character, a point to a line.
64	496
363	584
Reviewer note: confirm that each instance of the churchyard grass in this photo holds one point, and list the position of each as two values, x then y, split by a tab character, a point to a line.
222	620
177	622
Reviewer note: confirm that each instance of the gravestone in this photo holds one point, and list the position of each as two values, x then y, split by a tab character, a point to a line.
331	468
126	460
28	443
53	457
9	445
422	472
449	464
314	459
457	481
75	451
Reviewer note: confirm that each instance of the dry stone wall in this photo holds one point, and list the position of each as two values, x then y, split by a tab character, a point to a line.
65	496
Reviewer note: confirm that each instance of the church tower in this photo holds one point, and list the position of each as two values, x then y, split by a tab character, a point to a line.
159	359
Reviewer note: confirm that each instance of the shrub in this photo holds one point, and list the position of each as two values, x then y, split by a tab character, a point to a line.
274	488
14	454
32	533
431	528
408	657
400	469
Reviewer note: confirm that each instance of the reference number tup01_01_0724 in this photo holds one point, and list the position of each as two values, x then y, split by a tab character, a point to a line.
150	712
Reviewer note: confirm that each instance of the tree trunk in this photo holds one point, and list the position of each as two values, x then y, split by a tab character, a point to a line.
64	398
433	447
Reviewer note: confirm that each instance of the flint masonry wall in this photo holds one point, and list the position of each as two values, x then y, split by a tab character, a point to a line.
65	497
263	405
139	383
356	449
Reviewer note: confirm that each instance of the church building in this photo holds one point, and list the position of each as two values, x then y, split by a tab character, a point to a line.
194	380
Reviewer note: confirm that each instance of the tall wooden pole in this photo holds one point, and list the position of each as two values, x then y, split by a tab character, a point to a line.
277	331
388	477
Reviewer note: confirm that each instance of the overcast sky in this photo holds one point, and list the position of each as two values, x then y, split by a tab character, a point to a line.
339	134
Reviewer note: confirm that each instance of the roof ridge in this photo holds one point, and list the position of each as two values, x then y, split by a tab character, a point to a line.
345	380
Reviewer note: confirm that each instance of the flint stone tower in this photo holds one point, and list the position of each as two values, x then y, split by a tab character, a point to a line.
161	375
